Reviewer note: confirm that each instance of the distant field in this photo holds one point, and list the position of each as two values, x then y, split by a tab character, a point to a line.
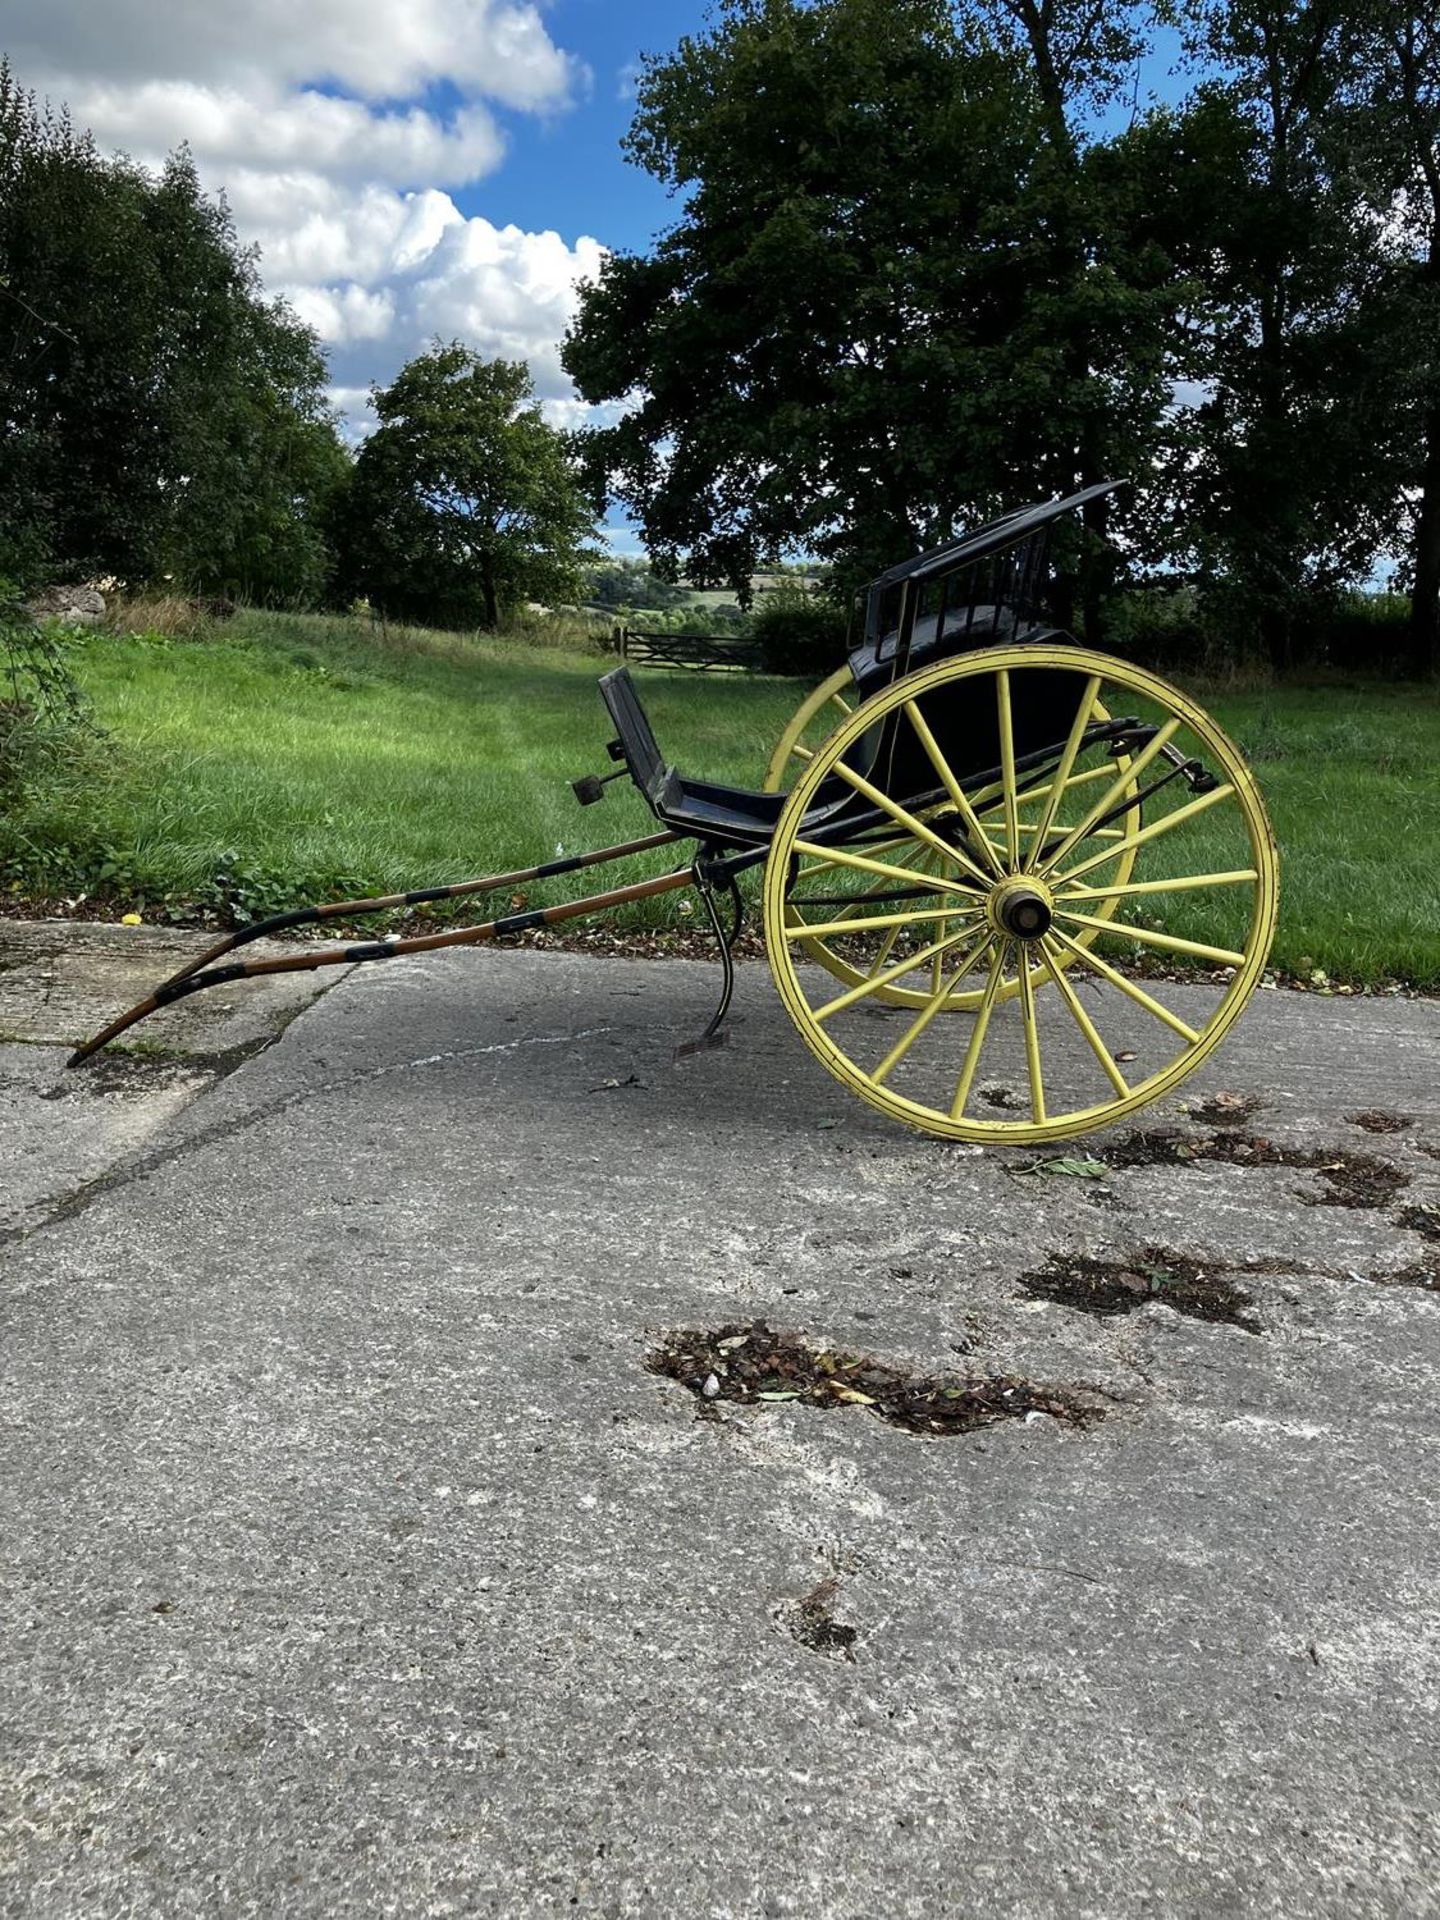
288	757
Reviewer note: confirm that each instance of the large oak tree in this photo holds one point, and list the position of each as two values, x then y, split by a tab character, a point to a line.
887	306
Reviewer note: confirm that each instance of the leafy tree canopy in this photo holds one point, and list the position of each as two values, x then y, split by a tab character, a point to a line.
884	310
158	415
1279	468
1392	94
465	502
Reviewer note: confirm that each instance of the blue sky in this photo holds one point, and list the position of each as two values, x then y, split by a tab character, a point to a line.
568	170
408	168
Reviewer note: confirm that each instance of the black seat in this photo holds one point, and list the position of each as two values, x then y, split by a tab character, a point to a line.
724	816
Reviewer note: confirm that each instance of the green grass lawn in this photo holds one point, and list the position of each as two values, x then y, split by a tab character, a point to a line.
287	757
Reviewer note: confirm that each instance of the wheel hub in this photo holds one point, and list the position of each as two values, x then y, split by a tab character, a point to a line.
1021	908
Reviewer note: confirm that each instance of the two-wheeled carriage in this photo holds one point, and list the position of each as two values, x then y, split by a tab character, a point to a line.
1013	889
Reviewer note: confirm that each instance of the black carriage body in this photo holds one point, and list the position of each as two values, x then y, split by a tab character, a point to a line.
986	590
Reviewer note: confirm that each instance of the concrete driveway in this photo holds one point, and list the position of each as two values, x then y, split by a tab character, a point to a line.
353	1562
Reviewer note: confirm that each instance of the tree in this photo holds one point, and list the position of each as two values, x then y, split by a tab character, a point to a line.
1394	94
139	363
889	307
1278	465
252	516
1098	309
625	582
807	343
464	501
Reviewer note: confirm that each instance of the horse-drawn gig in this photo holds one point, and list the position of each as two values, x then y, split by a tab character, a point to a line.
1013	889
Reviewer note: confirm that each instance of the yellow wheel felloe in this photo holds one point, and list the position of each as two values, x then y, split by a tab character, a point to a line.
814	718
1086	962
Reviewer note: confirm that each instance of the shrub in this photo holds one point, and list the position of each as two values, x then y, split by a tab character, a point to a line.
1365	633
725	620
40	704
1178	630
1166	629
799	633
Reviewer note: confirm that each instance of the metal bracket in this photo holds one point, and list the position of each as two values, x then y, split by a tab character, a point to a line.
1196	774
702	874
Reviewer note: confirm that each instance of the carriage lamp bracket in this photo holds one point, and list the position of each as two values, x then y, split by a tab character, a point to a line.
1199	777
590	787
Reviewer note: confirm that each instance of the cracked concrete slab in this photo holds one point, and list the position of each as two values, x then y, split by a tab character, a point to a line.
60	981
353	1561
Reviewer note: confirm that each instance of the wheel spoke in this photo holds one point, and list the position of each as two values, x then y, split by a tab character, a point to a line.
1146	834
1007	769
1169	942
986	799
902	967
977	1032
1086	1025
951	784
1112	795
883	846
1061	777
823	929
908	820
840	856
1182	881
1127	987
1032	1039
928	1012
887	947
844	705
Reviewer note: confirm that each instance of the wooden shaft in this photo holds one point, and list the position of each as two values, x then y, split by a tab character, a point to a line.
471	936
417	896
195	982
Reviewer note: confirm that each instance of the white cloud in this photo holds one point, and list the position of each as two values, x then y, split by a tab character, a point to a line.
318	122
264	126
431	271
344	314
375	49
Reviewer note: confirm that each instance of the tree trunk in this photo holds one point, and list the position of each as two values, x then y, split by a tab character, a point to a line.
1062	601
1424	636
1424	648
1095	572
487	589
1275	631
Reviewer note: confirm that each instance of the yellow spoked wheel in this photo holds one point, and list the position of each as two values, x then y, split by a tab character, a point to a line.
798	745
1061	1036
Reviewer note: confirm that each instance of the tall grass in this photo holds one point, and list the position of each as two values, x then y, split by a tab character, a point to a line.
280	757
